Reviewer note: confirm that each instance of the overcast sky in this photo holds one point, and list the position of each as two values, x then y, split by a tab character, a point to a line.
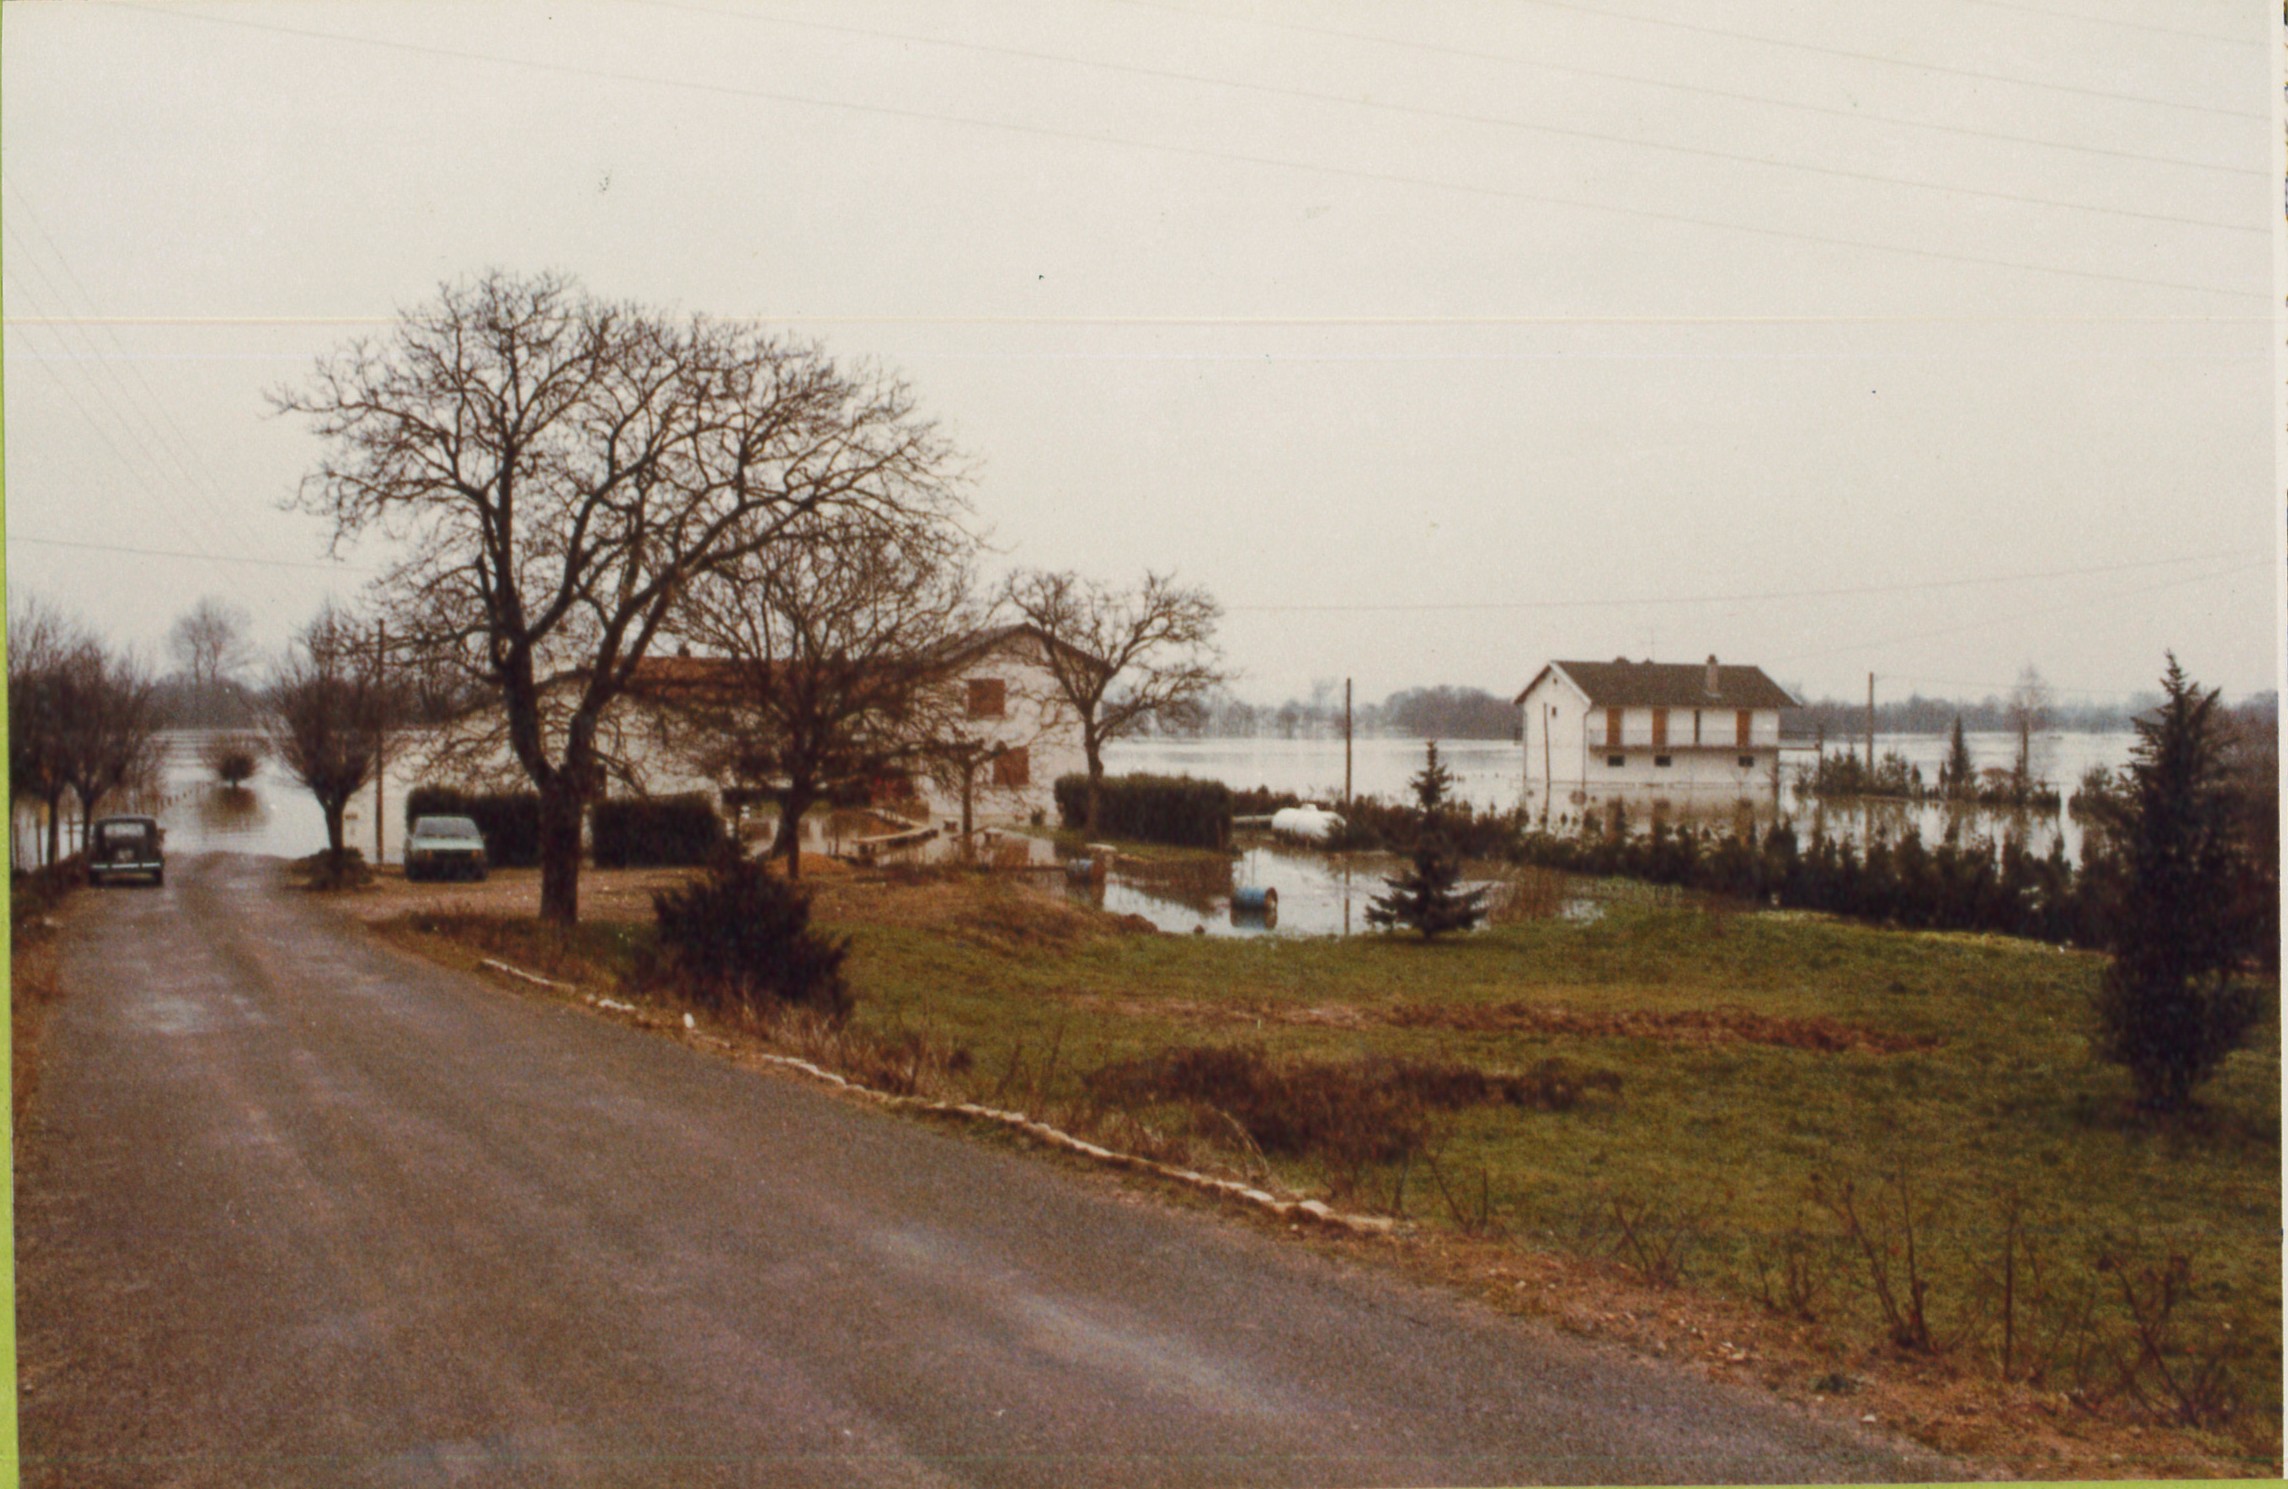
1931	340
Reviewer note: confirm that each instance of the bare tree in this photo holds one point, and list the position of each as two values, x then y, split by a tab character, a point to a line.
562	471
2029	713
209	645
42	645
326	705
826	646
1122	658
110	727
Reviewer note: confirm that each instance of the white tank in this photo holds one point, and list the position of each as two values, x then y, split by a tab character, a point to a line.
1311	822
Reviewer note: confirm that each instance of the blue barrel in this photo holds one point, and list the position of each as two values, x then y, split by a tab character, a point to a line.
1080	870
1255	901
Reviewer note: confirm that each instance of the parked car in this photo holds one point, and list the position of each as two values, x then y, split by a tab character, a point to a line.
444	848
126	845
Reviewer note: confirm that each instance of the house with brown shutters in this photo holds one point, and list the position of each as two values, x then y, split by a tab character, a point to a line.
1000	732
1689	733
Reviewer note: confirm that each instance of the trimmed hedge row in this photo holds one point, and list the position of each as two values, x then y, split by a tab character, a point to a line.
1179	810
654	831
510	820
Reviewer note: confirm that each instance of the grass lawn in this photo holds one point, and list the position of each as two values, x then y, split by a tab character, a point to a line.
1769	1064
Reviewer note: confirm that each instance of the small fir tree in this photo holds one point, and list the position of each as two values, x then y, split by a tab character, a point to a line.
1428	897
2170	1007
1954	778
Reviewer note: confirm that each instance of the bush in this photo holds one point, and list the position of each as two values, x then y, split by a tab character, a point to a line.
510	821
739	939
232	757
1371	1109
635	832
1178	810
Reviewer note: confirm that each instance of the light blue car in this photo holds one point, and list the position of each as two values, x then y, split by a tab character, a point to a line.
443	848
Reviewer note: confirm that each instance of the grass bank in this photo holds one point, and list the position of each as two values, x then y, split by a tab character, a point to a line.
1849	1161
36	904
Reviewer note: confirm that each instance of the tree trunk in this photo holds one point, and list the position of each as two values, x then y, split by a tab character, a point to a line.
560	803
794	803
334	850
968	799
55	828
1095	753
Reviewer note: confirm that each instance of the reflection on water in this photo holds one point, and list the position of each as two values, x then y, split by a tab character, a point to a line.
229	811
1317	894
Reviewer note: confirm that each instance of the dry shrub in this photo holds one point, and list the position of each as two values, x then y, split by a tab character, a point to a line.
901	1061
1526	892
1654	1238
1371	1109
1819	1034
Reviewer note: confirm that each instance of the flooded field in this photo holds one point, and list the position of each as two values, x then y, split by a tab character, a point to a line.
1490	774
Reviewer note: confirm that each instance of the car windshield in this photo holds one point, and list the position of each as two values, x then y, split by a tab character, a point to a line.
448	827
123	832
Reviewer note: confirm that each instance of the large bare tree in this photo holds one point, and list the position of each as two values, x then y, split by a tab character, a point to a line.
825	651
1121	658
110	727
326	705
561	470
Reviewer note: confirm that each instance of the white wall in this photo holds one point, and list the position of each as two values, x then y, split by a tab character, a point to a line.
1567	755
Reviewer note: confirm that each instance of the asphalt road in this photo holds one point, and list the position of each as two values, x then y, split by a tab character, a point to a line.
299	1209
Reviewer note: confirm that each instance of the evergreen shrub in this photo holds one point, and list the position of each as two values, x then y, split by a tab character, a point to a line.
654	832
738	939
1177	810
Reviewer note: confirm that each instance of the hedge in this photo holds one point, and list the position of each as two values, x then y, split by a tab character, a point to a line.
509	820
654	831
1179	810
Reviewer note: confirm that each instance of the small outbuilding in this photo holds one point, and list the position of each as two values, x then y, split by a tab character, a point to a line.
1696	734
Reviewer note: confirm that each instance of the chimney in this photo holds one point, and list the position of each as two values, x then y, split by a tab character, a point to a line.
1714	690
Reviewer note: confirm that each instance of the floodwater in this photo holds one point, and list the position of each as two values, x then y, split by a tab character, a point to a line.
1490	774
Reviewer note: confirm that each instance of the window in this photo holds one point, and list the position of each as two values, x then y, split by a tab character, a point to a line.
1663	761
1747	762
1747	728
1013	767
1660	730
1612	726
988	698
1616	761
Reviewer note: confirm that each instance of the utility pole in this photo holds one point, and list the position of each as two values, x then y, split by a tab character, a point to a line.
1346	749
380	680
1870	726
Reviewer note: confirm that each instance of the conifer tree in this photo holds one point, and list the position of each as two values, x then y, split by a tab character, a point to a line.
2170	1007
1428	897
1954	778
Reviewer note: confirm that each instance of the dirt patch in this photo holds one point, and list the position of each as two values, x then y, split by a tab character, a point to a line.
605	894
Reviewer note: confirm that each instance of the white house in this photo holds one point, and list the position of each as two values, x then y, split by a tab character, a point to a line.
1691	735
1015	723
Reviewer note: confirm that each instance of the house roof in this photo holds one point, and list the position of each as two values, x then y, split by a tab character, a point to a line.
1622	683
665	676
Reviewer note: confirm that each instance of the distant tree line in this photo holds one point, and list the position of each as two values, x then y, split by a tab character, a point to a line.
1442	712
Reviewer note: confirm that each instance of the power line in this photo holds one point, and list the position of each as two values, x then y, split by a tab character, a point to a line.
1856	116
1877	58
1986	622
2090	20
180	454
1459	117
1042	131
212	558
1837	592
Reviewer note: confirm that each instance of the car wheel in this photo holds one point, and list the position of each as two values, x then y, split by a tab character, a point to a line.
158	878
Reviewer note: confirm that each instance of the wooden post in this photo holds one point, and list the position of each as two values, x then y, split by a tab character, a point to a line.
380	764
1870	726
1346	745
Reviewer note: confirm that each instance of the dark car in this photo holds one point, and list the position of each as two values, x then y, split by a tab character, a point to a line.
441	847
126	845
